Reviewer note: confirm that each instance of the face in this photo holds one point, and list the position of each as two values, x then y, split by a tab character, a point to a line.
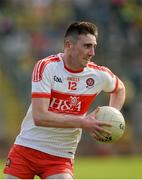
82	50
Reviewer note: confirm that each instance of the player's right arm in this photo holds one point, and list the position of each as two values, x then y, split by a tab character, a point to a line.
44	118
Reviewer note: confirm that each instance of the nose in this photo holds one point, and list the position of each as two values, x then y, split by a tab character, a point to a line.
92	52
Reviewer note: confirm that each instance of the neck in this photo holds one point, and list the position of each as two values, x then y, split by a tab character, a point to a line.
70	63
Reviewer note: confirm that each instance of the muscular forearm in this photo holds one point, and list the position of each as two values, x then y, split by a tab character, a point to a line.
44	118
50	119
87	123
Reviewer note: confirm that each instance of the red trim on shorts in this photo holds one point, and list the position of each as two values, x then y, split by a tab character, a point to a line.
26	162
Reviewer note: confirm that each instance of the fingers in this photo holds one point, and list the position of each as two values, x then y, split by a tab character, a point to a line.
99	132
97	129
101	123
96	136
99	137
103	131
100	127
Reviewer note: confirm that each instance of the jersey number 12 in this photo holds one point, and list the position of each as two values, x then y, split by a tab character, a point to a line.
72	85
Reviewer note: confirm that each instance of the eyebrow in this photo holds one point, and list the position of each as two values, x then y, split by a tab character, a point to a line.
90	44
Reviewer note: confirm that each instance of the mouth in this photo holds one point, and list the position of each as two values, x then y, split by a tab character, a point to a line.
87	59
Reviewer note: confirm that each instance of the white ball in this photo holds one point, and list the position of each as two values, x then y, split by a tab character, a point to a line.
115	118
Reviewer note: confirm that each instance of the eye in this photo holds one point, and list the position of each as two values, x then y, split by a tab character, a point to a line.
88	46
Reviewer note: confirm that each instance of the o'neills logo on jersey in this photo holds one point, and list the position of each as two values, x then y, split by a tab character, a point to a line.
90	83
70	105
57	79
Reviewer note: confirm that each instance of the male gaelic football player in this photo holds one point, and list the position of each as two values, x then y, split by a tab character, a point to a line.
63	87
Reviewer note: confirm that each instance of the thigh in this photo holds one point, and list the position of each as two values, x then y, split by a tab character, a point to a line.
8	176
60	176
17	164
55	167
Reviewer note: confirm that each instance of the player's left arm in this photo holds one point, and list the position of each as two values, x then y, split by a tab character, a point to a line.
117	98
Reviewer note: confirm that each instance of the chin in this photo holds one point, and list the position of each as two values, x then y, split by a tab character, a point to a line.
85	64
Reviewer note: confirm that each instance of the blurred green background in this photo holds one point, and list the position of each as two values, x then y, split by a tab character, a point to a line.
33	29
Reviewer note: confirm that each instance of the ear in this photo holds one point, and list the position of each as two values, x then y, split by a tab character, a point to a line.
67	44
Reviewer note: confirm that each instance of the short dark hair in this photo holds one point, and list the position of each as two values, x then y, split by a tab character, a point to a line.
81	28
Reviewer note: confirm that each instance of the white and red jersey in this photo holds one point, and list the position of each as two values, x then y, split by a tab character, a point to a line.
70	93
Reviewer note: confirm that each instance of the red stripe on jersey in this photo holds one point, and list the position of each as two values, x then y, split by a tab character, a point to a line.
116	85
40	95
70	103
101	68
40	65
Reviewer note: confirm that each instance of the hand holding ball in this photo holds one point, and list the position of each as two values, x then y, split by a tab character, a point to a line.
115	118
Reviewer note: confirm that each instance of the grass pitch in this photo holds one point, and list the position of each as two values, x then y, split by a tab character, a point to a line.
121	167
